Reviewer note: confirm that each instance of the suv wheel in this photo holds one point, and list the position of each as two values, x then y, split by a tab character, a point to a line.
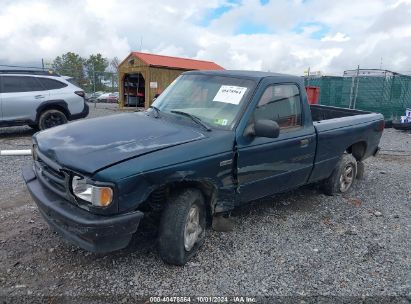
182	227
342	177
51	118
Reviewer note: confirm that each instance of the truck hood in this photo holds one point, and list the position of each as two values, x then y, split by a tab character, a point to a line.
90	145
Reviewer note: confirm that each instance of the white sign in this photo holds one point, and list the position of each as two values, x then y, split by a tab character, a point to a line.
230	94
153	84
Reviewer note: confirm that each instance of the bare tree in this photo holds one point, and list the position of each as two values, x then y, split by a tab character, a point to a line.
114	63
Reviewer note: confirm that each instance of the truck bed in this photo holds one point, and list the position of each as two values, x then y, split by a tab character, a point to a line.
325	112
327	118
339	128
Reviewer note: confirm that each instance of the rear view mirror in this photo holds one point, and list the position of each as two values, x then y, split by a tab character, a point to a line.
263	128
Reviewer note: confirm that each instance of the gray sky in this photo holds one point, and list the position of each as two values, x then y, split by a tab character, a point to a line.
277	35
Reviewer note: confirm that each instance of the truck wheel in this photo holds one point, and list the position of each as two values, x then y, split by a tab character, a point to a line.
182	227
51	118
342	177
360	170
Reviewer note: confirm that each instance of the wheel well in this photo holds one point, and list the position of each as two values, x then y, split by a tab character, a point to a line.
358	150
159	196
52	107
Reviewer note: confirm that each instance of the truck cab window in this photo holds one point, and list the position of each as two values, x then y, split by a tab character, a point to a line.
282	104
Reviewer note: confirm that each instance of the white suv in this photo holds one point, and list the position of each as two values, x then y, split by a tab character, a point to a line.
40	99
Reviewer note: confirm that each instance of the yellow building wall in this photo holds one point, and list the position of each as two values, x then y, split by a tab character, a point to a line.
163	77
160	76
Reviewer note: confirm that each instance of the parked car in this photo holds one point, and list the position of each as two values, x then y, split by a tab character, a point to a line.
102	97
87	96
93	96
40	99
113	97
212	141
108	97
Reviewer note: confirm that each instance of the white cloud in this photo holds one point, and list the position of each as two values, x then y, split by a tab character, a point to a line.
338	37
332	36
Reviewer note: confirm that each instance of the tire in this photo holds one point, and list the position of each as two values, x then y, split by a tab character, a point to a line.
360	170
342	177
51	118
176	244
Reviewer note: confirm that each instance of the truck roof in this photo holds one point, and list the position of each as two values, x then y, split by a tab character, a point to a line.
255	75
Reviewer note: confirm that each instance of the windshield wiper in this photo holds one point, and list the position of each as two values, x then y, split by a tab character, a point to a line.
157	111
193	118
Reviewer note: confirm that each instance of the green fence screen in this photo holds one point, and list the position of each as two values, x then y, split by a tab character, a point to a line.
389	95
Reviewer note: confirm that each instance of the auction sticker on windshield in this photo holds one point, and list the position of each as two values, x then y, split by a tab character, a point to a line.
230	94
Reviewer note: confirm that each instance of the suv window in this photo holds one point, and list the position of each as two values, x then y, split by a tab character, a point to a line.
13	84
282	104
51	84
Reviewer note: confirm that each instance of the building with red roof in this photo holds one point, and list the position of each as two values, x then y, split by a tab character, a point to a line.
143	75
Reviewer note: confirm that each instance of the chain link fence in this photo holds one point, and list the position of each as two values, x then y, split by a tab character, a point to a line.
379	91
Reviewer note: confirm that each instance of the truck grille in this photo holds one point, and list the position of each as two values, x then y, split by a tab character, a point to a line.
51	176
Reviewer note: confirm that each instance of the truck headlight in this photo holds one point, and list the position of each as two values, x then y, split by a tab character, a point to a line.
97	196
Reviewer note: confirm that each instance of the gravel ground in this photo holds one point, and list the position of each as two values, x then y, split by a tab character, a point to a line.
299	244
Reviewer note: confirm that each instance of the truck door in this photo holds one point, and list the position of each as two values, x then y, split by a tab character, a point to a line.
266	166
21	96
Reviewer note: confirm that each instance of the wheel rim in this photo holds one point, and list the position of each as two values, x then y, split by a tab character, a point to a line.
346	178
193	228
53	119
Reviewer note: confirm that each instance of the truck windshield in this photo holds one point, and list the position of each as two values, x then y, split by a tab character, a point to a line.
216	100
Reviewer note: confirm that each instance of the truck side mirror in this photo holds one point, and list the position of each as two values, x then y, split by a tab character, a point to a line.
263	128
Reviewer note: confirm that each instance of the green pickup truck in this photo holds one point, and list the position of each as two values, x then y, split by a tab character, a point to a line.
212	141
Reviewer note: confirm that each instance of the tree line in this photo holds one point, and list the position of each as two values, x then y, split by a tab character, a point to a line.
95	73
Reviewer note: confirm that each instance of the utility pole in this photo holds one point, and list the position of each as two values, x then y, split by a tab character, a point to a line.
112	82
351	90
356	87
94	86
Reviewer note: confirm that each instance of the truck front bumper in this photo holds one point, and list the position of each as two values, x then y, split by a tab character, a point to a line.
95	233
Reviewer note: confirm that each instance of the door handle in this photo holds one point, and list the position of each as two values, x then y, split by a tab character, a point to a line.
39	96
304	142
